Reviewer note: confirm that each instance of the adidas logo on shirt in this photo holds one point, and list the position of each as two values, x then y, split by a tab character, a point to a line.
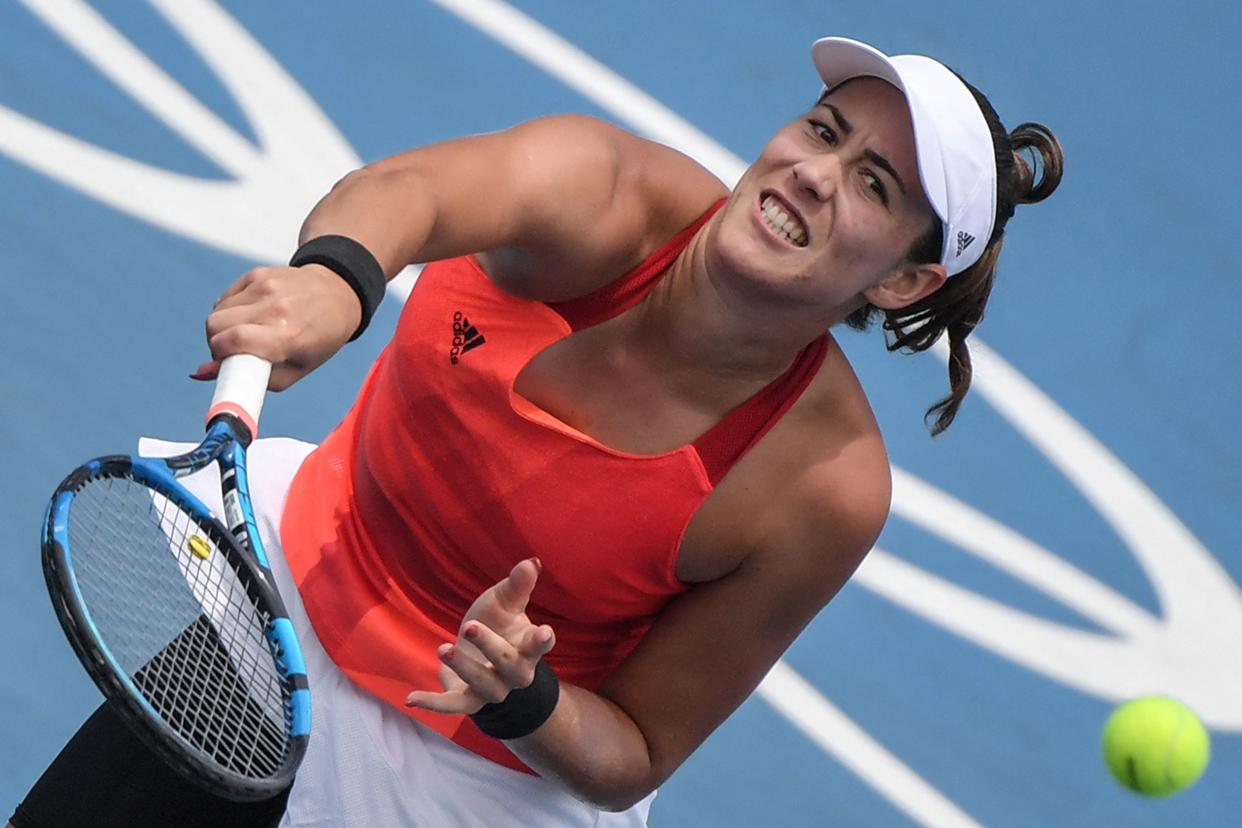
466	337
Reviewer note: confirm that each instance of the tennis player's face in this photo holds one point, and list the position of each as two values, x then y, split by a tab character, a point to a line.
833	203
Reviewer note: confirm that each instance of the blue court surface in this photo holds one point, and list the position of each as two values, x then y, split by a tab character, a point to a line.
1073	541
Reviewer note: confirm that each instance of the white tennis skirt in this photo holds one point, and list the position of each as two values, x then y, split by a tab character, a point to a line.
369	765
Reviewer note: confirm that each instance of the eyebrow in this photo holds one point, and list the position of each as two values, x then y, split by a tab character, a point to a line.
882	162
842	124
874	157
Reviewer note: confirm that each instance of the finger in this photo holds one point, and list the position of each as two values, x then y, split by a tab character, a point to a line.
252	286
483	680
206	371
225	317
536	642
222	326
450	682
248	338
239	286
459	702
514	591
510	665
257	340
284	376
266	302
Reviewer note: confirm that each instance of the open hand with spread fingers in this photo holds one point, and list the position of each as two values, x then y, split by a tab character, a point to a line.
497	651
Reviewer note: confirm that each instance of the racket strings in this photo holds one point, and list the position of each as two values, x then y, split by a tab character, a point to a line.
180	621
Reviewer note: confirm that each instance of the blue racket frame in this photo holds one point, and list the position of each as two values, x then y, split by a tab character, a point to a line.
242	545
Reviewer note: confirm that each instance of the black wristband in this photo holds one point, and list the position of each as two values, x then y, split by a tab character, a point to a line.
525	709
353	263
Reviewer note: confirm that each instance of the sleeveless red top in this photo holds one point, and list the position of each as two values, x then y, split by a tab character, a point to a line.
441	478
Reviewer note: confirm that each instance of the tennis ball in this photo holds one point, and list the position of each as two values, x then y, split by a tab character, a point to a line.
1155	745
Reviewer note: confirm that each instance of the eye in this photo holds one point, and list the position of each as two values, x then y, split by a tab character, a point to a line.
825	132
877	186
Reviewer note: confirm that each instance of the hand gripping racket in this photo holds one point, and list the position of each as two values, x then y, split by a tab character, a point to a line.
175	614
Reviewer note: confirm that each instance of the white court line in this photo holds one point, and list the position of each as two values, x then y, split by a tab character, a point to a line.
596	82
788	693
824	724
120	61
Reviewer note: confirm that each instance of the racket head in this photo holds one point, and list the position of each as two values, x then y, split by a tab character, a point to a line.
177	626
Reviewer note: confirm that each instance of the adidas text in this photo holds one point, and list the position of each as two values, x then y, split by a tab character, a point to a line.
466	337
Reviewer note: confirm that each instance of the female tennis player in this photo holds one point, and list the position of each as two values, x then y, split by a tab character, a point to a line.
611	462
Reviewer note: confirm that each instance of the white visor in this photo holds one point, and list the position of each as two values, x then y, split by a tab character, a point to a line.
957	162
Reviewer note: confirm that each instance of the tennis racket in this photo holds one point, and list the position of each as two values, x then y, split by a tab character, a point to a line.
175	614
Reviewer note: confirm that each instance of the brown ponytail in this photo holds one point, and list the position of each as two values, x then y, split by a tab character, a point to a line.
1029	163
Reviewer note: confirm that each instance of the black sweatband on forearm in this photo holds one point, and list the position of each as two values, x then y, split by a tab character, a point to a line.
353	263
525	709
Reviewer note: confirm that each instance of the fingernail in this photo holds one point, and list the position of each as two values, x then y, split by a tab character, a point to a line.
538	564
410	701
472	631
446	651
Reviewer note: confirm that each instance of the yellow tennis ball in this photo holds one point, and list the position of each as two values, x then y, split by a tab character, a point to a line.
1155	745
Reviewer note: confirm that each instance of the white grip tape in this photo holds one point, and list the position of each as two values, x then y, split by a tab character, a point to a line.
241	387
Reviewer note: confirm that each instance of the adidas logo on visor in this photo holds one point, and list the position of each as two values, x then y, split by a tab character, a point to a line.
963	241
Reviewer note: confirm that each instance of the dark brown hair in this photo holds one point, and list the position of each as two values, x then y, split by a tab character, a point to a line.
957	307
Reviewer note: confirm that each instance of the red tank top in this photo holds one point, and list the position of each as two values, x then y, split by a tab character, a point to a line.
441	478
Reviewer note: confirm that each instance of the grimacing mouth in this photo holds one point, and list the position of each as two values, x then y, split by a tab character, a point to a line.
783	218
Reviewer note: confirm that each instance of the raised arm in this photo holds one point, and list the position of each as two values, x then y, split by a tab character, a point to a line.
579	197
562	187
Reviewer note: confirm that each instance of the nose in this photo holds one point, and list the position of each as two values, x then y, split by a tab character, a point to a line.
818	176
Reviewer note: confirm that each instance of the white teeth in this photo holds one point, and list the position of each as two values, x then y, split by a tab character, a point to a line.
782	222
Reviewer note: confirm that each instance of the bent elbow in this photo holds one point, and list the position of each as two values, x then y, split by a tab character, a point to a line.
616	801
617	793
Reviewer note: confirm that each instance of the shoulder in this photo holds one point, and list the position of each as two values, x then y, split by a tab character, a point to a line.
629	160
839	498
836	502
602	200
827	520
807	502
837	508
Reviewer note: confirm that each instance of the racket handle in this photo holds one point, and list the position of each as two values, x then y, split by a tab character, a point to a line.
240	389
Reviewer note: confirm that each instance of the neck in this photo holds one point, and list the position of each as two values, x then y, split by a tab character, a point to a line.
705	324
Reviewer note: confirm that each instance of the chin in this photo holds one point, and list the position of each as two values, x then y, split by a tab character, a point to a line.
744	268
734	251
736	247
